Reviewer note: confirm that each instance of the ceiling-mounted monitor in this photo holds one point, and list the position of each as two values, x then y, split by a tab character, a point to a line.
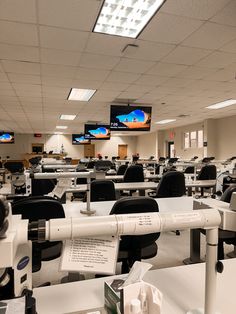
97	131
130	118
7	137
79	139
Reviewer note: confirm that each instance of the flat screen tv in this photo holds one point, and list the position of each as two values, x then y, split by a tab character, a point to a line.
130	118
97	131
79	139
7	137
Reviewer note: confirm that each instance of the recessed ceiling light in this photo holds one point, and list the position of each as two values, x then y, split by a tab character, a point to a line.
61	127
67	116
222	104
81	94
165	121
126	18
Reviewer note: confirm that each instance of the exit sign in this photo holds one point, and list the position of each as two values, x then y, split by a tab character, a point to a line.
37	135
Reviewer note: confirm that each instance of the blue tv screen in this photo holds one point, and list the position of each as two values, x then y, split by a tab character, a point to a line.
79	139
130	118
7	138
97	132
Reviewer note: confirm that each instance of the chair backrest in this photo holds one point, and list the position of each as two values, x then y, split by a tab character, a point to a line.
121	170
14	166
226	197
91	164
134	173
38	207
34	208
134	205
81	180
189	169
103	165
40	187
172	184
207	172
102	190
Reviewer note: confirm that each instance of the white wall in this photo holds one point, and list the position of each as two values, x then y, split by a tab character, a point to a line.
178	141
23	144
147	145
225	134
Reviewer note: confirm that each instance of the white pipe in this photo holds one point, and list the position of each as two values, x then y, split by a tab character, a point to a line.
59	166
130	224
58	175
211	273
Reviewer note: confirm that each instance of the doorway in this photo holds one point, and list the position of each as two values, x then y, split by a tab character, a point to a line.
122	151
89	150
171	150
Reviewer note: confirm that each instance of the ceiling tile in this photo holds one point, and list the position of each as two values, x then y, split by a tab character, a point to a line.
176	28
131	95
177	82
18	10
24	78
122	77
74	14
186	55
230	47
211	36
107	44
58	38
151	80
11	33
166	69
3	77
226	15
84	83
218	60
56	81
139	88
96	61
54	56
148	50
227	74
133	66
63	71
21	67
105	96
114	86
91	74
196	72
20	53
197	9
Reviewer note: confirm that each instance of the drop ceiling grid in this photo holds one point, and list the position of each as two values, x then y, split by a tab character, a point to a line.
65	52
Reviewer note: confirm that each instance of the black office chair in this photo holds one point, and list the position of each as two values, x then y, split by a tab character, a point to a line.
135	248
121	170
40	187
228	237
102	190
91	164
207	172
14	166
172	184
134	173
189	169
79	195
34	208
103	165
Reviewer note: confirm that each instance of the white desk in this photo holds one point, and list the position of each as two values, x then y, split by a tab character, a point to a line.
104	208
182	288
147	176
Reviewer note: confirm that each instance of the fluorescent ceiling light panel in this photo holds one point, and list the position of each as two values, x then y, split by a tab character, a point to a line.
67	116
81	94
165	121
222	104
61	127
126	18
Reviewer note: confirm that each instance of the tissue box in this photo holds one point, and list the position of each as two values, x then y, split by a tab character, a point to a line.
119	300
